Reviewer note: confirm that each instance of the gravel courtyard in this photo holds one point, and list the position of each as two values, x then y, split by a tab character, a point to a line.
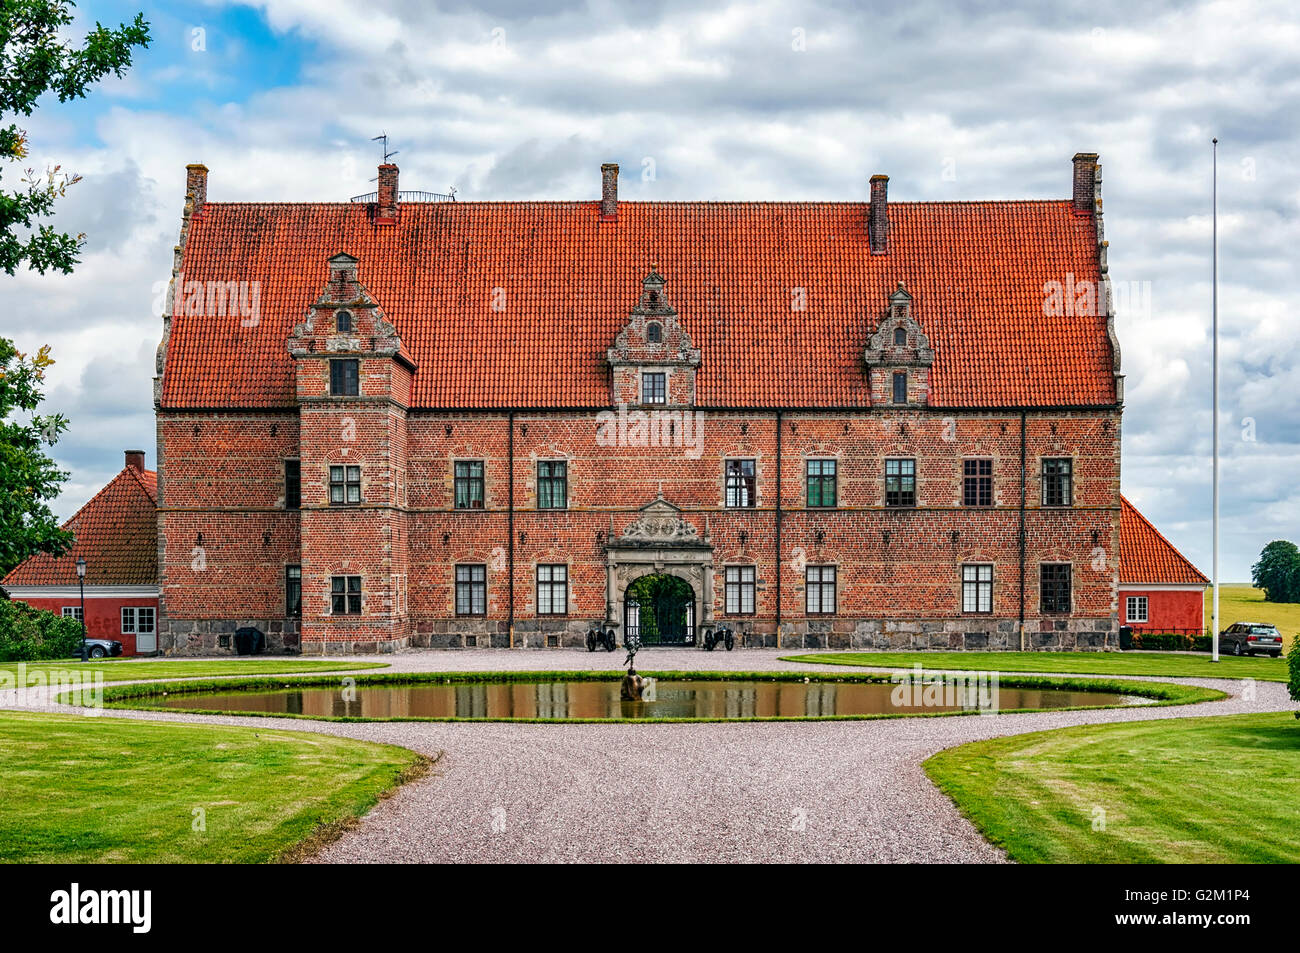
749	792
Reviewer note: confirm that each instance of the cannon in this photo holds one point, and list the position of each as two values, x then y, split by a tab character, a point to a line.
720	634
602	637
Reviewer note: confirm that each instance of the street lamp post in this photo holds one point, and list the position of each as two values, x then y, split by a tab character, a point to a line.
81	582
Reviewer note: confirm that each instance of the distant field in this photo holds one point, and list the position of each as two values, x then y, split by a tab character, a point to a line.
1239	602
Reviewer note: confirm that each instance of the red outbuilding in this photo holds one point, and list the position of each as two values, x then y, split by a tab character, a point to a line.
116	533
1159	589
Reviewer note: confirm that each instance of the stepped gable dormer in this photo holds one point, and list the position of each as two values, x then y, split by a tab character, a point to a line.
346	322
653	360
898	356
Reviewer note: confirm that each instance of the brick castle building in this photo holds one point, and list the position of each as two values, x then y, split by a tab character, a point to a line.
406	422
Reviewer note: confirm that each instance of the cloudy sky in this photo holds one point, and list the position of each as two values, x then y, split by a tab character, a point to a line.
516	99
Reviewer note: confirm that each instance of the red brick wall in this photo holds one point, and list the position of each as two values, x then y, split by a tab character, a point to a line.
405	539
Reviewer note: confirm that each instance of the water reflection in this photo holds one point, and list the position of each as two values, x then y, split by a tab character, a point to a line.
600	700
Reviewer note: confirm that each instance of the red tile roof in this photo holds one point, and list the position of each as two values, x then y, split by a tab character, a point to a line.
1146	556
117	533
976	269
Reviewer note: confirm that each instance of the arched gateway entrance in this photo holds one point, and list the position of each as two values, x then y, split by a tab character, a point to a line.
660	610
660	577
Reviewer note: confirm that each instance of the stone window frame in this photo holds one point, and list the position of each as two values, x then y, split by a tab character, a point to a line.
896	378
562	479
981	585
726	483
1057	608
342	380
469	480
472	585
900	476
741	586
346	483
822	588
654	332
347	594
822	478
990	476
343	321
293	501
289	581
659	388
1067	477
554	586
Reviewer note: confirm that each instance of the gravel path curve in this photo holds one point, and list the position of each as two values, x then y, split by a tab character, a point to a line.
738	792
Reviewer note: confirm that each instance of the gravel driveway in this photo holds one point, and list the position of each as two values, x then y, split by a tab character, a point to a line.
753	792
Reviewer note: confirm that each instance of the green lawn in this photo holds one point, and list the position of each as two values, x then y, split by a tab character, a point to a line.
1077	663
123	670
94	790
1193	790
1239	602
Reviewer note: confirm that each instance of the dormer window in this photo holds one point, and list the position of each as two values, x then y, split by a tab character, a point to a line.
344	322
654	332
654	387
900	387
900	337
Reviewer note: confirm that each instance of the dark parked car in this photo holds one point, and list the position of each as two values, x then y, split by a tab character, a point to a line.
98	648
1247	638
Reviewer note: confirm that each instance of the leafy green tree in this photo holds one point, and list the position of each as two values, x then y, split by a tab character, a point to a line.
35	59
29	480
1278	571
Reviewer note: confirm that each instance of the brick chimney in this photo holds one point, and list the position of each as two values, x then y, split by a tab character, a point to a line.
1085	182
609	192
135	460
196	184
386	205
878	215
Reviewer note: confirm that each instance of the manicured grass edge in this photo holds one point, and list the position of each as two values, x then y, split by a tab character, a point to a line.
1161	693
329	832
833	658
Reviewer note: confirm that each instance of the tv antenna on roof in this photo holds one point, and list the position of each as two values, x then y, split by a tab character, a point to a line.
387	155
384	136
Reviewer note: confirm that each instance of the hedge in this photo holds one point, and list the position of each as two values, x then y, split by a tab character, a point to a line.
33	635
1165	642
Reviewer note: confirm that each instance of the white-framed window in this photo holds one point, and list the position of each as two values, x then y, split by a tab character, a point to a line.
1135	609
552	589
819	590
74	612
739	590
977	587
137	620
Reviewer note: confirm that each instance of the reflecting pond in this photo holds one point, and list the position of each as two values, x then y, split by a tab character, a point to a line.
582	699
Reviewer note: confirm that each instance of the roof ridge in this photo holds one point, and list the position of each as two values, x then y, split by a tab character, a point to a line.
596	202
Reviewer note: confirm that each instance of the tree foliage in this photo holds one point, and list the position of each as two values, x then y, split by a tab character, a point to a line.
37	58
29	480
1278	571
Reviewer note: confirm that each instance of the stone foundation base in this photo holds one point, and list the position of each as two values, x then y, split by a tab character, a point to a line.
217	636
353	647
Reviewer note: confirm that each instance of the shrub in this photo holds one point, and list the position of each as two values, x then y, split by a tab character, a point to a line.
33	635
1169	642
1293	663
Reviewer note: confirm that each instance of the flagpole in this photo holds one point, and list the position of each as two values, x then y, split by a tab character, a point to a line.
1214	329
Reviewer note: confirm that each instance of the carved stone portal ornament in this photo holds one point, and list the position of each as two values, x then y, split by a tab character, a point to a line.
660	524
